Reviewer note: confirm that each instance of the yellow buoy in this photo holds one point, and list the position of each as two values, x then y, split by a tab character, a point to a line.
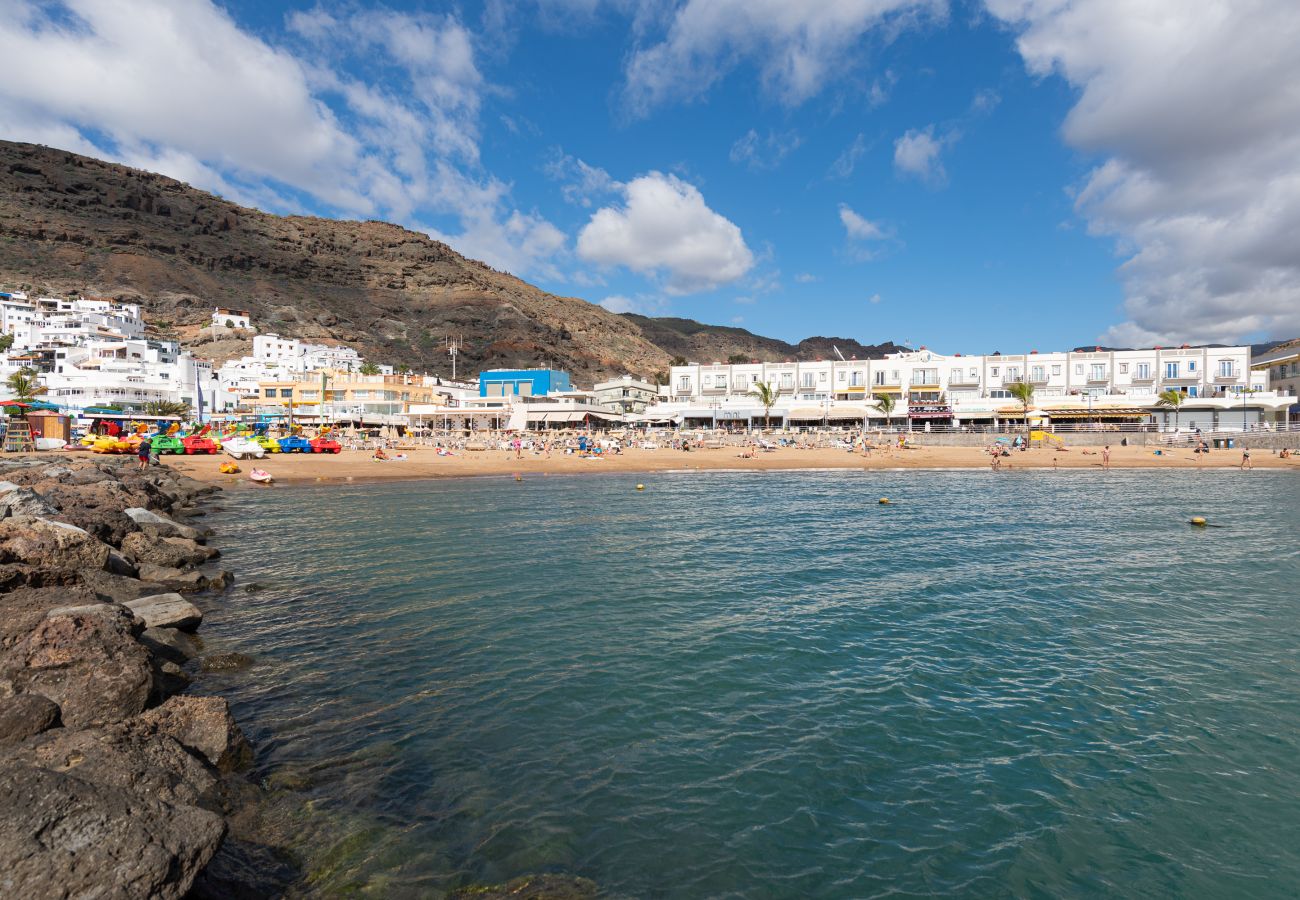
884	501
1198	521
518	477
640	487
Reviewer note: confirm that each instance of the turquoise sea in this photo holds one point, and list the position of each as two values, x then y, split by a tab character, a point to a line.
768	685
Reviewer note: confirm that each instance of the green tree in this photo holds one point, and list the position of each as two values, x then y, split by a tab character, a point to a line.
679	361
368	368
402	369
166	408
6	341
767	395
1171	399
1023	391
885	403
737	359
25	384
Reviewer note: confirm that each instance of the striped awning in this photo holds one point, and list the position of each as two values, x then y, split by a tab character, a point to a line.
1120	412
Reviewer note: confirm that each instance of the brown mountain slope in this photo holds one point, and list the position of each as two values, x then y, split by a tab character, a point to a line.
717	343
70	223
73	224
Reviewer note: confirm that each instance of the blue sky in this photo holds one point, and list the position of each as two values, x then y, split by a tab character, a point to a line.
972	176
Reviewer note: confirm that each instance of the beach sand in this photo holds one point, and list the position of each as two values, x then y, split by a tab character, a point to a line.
425	463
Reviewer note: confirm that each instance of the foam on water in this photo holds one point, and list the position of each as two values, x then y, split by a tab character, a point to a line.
737	686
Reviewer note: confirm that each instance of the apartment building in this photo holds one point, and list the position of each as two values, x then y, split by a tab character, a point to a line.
932	389
334	395
625	394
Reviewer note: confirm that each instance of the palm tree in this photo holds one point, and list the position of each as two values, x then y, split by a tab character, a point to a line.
368	368
1171	399
25	384
166	408
767	395
1024	392
885	403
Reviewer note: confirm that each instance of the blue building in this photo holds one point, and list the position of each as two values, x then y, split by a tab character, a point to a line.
522	382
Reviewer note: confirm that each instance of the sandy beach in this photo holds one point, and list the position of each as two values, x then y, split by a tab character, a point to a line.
424	463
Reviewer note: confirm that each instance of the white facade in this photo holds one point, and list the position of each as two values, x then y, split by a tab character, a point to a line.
224	317
931	389
625	394
131	373
277	357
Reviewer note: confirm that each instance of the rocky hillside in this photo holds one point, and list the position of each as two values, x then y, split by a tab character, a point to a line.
698	342
72	224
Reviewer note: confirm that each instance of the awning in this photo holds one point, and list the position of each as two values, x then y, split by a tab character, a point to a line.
806	413
848	412
1124	412
734	414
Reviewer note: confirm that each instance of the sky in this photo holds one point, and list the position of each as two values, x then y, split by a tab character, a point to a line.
968	175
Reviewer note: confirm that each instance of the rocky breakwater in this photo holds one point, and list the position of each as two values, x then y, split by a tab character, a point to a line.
112	782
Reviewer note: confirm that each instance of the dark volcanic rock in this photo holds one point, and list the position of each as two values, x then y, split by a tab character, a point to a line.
204	725
186	581
61	836
86	661
51	545
24	715
171	644
170	552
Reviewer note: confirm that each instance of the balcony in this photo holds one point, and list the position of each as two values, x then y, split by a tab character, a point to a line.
963	380
1221	378
1143	379
1038	379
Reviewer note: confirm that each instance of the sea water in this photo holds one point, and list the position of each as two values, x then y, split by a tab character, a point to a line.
771	685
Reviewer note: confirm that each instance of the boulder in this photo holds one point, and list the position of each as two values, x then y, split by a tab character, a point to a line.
171	552
86	661
24	715
22	608
186	581
61	836
97	507
171	644
51	545
204	725
132	755
226	661
21	501
166	611
158	525
112	588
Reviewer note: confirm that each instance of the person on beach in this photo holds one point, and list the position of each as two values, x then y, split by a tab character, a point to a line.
379	454
519	448
143	451
1105	457
1245	458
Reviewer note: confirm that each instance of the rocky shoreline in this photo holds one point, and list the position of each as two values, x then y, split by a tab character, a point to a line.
114	783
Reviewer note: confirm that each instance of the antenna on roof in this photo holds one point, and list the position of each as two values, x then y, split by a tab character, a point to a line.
838	353
453	348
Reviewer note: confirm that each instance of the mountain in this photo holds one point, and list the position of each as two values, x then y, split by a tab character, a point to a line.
698	342
73	224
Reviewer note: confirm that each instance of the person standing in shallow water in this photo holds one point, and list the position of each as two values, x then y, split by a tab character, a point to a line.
1245	458
1105	457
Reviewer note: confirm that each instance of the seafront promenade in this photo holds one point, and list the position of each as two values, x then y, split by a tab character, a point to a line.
424	462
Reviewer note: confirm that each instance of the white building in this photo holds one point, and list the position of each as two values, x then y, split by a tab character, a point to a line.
225	317
933	390
275	357
626	394
131	373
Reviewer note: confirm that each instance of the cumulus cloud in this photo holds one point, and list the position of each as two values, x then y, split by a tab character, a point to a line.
1193	109
580	183
864	236
797	47
665	228
178	87
766	152
916	153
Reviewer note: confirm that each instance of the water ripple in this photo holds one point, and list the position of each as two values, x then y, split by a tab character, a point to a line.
738	686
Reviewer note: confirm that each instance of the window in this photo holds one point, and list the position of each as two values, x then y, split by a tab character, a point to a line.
684	383
1056	370
1037	373
1013	373
1123	368
787	381
1191	365
1078	368
286	392
1097	372
807	380
822	378
840	379
974	374
269	392
1225	368
720	381
1144	371
879	378
1171	370
855	380
994	371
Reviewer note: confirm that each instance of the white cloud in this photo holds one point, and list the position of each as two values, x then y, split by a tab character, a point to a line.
797	47
580	183
847	161
859	228
619	304
177	87
764	153
665	227
874	298
806	278
916	153
1194	108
